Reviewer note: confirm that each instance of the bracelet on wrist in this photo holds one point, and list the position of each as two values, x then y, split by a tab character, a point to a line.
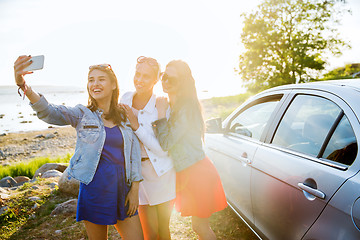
22	87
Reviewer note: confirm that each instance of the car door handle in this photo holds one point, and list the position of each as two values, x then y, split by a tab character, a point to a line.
312	191
244	158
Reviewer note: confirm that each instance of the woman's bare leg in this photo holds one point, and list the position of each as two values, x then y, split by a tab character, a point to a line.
130	228
202	228
149	221
164	213
96	231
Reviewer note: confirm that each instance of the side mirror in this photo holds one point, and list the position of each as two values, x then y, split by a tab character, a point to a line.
214	126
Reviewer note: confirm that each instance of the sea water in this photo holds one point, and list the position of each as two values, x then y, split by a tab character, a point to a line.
16	114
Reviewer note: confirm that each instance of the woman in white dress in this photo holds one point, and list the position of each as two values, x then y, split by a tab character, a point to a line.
157	191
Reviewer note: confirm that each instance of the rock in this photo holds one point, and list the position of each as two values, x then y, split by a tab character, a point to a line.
3	209
21	179
4	196
2	155
7	182
33	180
51	174
50	166
13	188
34	198
2	190
58	231
39	136
35	187
53	185
49	135
67	185
26	122
68	207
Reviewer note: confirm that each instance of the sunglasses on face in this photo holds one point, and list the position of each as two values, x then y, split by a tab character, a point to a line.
104	65
166	79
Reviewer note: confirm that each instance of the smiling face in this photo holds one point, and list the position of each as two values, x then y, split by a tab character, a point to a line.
145	78
170	80
99	86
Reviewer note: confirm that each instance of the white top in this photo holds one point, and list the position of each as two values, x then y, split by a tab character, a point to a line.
160	160
143	151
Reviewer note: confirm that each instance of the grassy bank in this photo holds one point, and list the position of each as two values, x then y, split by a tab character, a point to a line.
23	221
26	219
29	168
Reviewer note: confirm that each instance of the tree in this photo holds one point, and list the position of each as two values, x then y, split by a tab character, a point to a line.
349	71
286	41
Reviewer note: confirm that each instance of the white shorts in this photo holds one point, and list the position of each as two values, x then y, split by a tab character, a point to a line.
154	190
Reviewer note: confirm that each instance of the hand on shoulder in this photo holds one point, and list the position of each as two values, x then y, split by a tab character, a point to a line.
162	104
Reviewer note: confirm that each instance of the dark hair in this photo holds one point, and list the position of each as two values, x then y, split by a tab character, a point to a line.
186	96
116	113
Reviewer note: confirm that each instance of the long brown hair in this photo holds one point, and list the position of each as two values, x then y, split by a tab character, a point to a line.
116	113
186	96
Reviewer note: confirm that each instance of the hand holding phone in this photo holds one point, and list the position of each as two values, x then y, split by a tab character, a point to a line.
37	63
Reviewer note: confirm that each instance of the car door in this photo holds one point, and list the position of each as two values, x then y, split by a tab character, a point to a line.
292	180
232	151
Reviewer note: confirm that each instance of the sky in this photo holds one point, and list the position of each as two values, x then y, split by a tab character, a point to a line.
74	34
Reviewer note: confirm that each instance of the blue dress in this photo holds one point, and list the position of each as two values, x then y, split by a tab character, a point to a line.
102	201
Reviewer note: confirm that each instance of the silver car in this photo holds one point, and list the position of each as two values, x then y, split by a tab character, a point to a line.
288	160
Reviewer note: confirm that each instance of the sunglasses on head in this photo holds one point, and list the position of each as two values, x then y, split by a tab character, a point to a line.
147	60
104	65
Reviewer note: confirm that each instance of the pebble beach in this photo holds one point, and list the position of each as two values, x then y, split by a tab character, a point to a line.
22	146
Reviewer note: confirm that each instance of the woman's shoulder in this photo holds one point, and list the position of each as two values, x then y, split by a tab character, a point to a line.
127	97
82	108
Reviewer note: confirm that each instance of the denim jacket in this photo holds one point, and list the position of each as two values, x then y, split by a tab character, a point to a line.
90	140
160	160
181	139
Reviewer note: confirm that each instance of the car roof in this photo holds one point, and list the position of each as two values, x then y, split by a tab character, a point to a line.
324	85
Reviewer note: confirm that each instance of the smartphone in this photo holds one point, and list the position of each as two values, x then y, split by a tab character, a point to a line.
37	63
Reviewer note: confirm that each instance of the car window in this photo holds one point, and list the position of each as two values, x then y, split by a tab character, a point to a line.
342	147
252	121
306	124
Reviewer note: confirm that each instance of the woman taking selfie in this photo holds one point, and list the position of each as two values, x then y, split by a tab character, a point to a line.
158	188
107	154
199	192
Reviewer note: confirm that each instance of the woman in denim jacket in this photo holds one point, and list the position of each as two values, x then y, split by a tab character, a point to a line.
199	192
157	191
107	154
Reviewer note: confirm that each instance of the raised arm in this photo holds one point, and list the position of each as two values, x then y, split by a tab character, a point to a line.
50	113
19	65
169	133
144	133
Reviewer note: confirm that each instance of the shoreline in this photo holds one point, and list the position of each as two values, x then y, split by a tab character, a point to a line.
58	141
25	145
